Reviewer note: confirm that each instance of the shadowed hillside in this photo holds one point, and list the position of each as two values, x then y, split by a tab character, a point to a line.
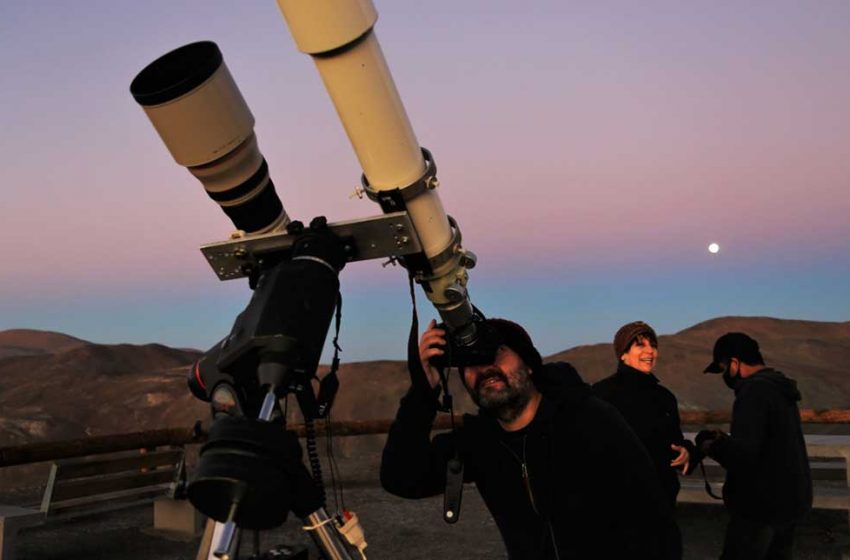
94	389
86	389
816	354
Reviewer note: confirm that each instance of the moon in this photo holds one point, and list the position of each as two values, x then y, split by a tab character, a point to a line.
713	248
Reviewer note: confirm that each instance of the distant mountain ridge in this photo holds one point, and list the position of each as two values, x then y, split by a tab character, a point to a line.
62	387
29	342
814	353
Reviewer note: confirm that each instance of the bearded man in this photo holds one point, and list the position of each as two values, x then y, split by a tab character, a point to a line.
561	472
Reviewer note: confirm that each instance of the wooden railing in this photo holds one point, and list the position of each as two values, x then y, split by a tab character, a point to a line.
53	450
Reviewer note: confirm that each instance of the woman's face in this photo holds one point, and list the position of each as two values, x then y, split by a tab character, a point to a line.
641	355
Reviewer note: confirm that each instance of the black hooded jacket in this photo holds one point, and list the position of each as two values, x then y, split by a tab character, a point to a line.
767	468
590	488
653	413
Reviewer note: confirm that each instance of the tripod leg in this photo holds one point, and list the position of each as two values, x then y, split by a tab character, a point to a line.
326	537
205	549
212	539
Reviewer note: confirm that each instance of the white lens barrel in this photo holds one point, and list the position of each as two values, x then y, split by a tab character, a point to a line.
196	108
193	103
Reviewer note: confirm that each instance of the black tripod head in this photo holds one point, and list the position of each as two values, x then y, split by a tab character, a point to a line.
251	470
278	338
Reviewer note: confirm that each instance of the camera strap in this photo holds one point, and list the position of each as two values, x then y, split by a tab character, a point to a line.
329	384
454	467
418	377
707	485
454	489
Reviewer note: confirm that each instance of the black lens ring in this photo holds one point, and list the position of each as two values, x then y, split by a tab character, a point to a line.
257	213
176	73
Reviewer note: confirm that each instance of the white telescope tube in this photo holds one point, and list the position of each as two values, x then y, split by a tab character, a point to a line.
339	36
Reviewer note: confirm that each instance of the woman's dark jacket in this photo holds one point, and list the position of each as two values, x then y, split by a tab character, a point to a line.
591	488
767	467
653	413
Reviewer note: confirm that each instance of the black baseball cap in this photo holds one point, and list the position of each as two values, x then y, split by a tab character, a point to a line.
734	345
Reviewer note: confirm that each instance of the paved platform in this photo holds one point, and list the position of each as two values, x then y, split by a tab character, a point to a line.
395	528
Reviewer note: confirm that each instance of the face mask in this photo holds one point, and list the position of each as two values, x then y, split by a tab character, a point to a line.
730	380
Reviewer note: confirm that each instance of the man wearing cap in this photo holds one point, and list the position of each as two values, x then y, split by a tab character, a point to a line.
560	470
768	485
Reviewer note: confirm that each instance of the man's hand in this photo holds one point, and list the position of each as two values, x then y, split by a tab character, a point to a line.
431	344
682	460
706	439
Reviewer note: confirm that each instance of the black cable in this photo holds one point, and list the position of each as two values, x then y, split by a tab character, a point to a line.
336	479
329	454
335	474
313	456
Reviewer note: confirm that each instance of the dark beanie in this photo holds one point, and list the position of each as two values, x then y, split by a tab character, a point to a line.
514	337
628	333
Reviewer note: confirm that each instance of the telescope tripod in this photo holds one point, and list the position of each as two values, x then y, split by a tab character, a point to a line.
256	451
192	101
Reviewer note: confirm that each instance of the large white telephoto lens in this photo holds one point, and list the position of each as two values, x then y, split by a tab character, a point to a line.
194	104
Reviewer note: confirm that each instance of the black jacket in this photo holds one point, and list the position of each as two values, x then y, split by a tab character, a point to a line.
767	467
653	413
591	488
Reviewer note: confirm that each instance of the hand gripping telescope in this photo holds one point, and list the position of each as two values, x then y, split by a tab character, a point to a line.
251	474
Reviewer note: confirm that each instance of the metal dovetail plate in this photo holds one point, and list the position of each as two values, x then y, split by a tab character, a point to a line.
390	235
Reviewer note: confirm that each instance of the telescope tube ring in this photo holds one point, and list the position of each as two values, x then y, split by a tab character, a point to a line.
391	199
450	252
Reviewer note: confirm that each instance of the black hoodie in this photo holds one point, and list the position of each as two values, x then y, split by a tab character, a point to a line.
589	487
767	468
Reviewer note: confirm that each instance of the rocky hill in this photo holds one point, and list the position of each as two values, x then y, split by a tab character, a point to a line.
816	354
85	389
60	387
28	342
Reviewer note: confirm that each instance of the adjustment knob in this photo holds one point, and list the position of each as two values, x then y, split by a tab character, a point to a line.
319	223
468	259
455	293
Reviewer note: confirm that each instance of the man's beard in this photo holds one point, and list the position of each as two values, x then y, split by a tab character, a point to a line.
505	404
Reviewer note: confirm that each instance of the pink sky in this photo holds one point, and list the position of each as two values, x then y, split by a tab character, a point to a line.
571	140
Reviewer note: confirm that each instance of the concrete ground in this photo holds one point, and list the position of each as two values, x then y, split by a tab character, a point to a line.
412	530
395	528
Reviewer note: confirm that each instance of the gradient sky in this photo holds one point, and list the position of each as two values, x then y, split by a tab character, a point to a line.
589	150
